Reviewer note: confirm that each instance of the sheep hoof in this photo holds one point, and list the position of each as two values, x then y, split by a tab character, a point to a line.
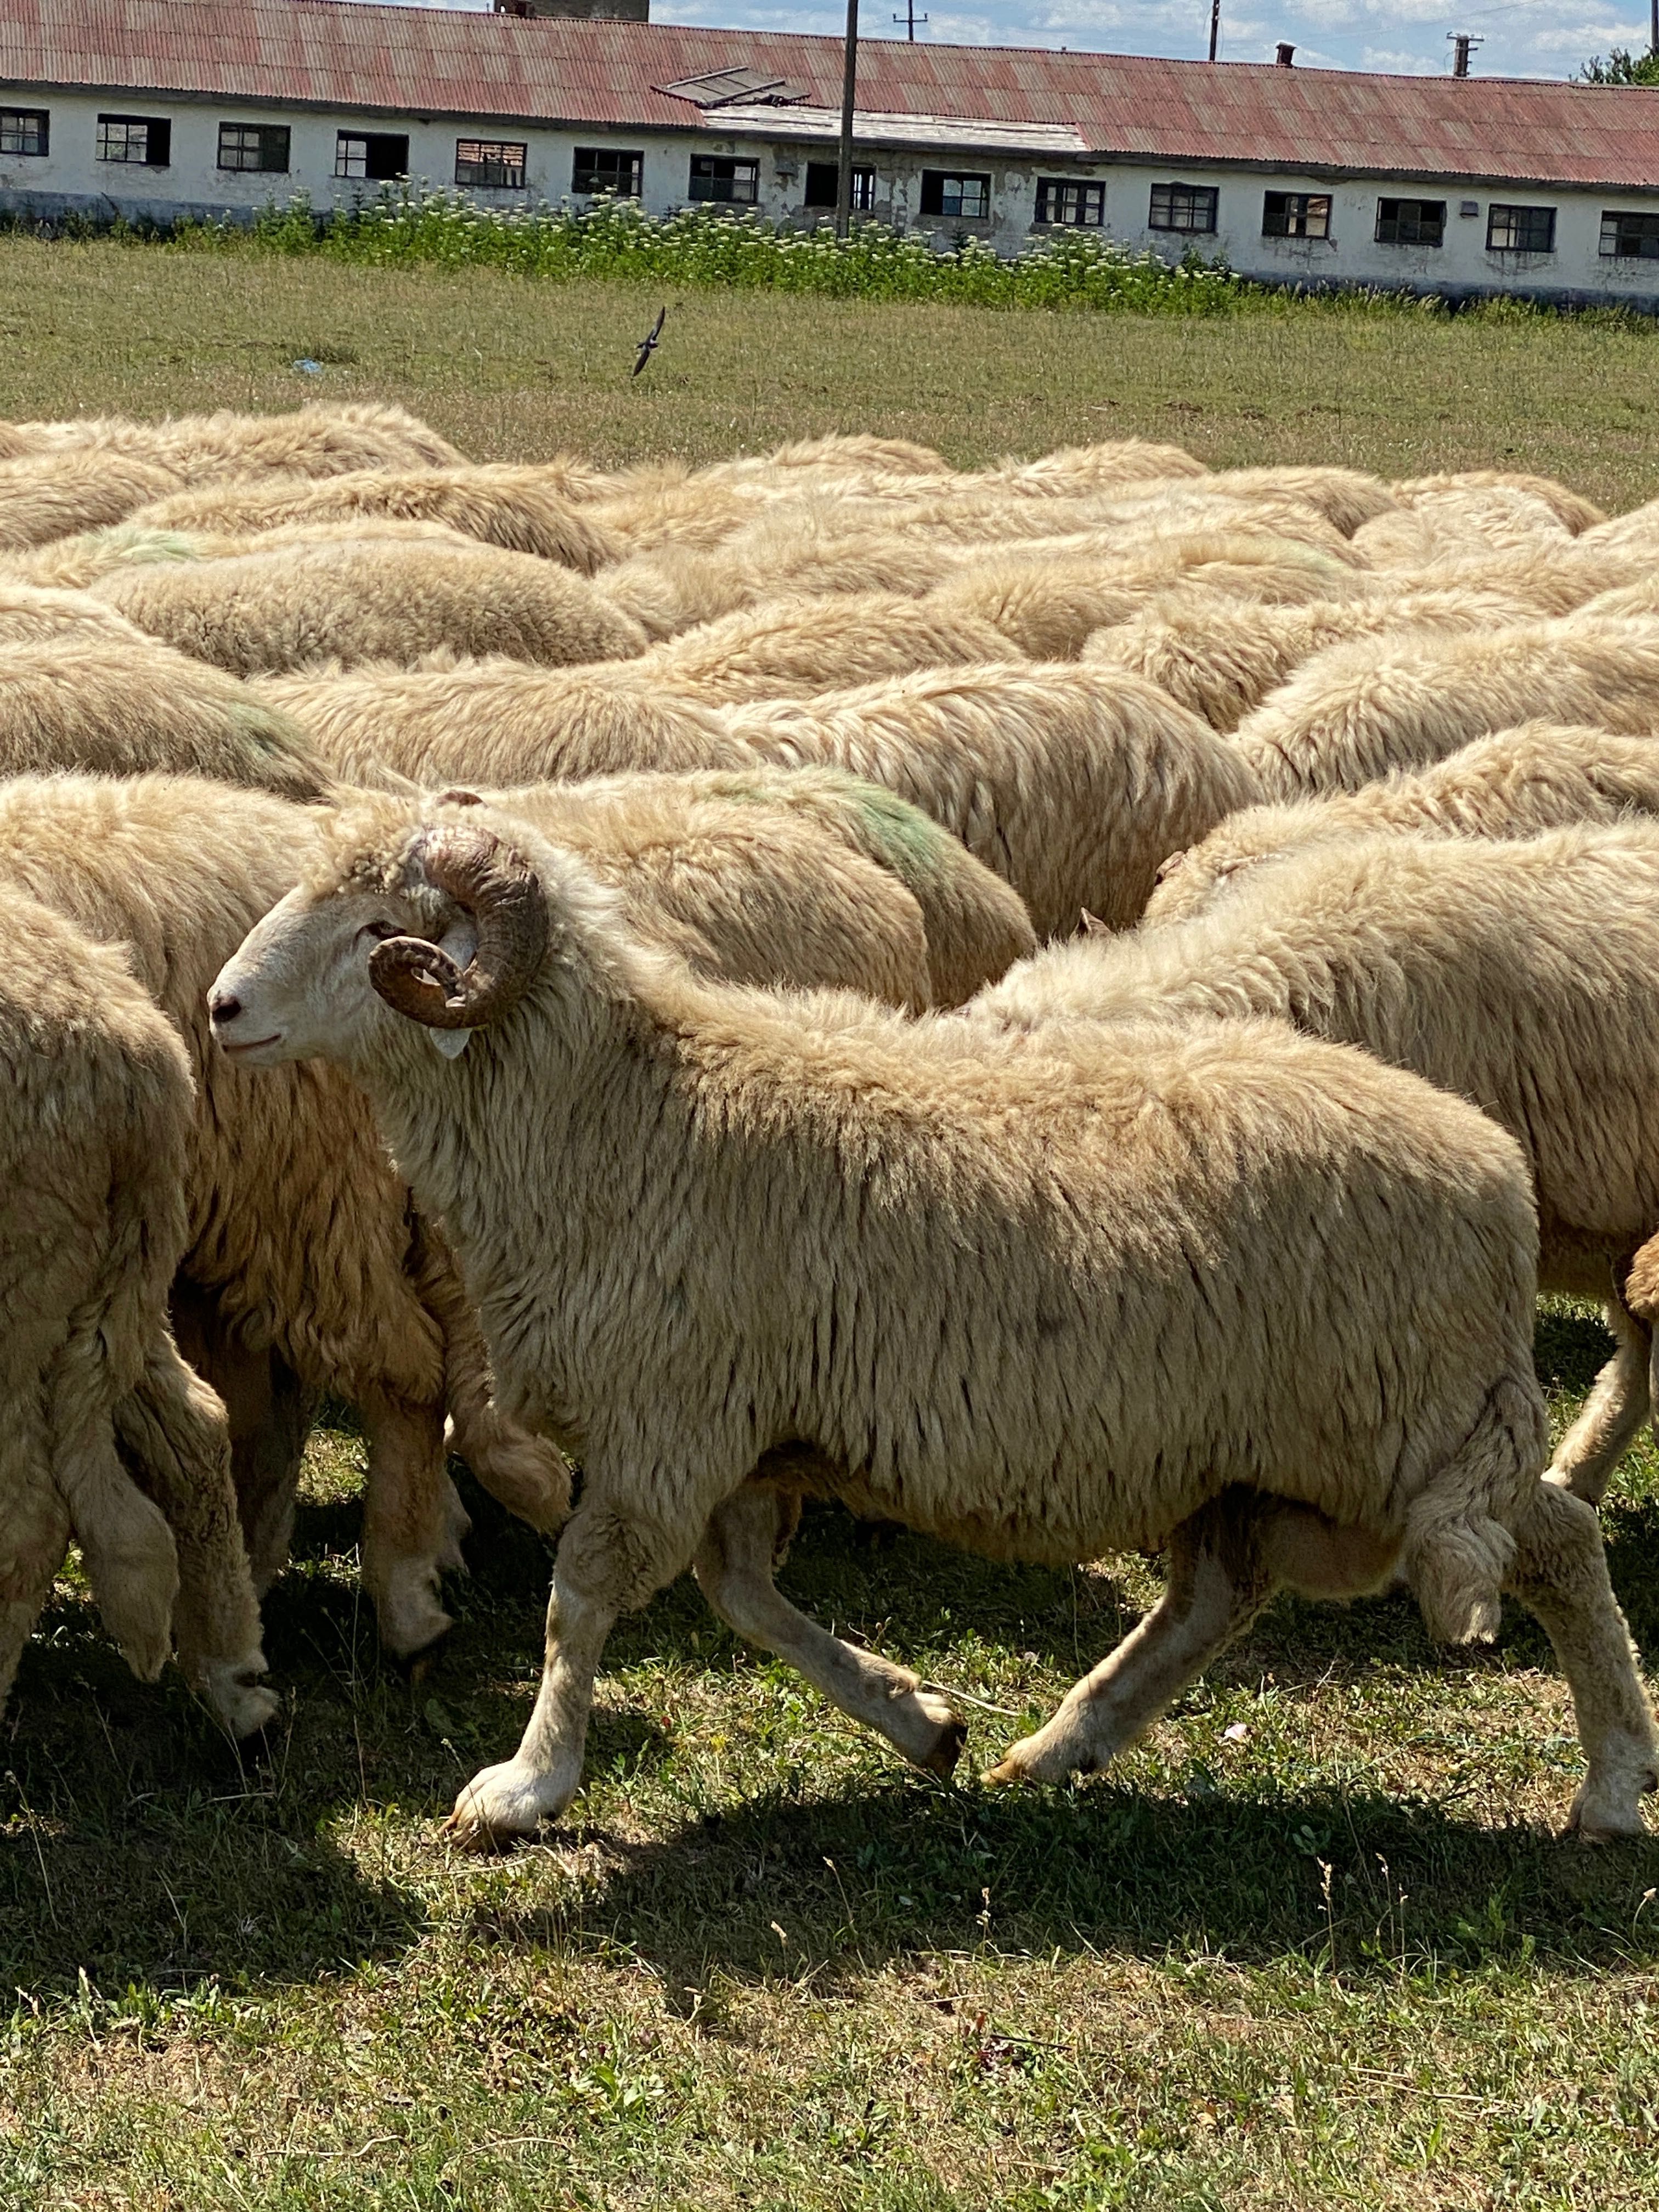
409	1616
1007	1772
1609	1806
947	1746
241	1705
503	1805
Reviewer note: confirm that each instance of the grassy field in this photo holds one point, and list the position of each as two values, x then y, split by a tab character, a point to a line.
1315	1943
510	370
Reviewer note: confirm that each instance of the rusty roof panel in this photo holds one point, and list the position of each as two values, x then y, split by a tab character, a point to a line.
339	54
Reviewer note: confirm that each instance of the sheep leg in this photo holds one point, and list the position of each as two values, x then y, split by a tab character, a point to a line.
270	1411
526	1474
606	1564
37	1534
171	1427
735	1566
1559	1572
1226	1563
130	1559
413	1521
1615	1409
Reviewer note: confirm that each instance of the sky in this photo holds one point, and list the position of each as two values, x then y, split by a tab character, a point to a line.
1522	38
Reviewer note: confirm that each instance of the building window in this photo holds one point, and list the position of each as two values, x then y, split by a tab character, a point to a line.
1071	200
261	146
1183	207
968	198
24	130
608	169
496	164
377	156
144	138
1520	229
1411	222
823	180
715	177
1295	215
1631	237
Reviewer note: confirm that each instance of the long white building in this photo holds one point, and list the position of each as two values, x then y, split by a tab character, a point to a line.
1460	186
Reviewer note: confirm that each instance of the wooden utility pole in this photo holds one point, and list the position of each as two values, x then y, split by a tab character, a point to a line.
850	86
1215	25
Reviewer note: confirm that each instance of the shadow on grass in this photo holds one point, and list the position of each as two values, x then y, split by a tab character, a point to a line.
136	1844
909	1867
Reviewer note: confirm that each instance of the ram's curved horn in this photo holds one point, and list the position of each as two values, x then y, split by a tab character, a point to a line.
497	888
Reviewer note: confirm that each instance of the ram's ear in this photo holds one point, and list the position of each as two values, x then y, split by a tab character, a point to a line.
451	1043
460	941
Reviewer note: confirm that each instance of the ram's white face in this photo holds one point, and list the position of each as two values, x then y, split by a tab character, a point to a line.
299	987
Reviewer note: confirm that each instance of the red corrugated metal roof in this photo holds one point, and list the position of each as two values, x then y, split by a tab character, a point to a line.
337	54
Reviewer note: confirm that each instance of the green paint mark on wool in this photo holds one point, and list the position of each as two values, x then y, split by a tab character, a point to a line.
910	842
134	543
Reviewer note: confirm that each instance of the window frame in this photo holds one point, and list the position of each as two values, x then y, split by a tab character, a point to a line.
14	118
1505	212
712	164
1615	218
864	187
935	193
1383	237
591	156
157	130
1193	197
1090	192
262	132
366	138
1296	209
514	176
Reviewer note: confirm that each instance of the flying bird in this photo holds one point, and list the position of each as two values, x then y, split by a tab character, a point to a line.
648	343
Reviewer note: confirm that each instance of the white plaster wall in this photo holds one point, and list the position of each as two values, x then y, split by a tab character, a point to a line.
71	179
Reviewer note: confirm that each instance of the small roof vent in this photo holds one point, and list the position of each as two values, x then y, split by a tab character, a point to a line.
1286	57
721	88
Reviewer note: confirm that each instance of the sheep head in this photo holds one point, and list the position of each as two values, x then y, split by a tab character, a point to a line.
436	922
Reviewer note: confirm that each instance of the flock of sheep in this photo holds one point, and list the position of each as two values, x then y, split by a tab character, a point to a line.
1070	1006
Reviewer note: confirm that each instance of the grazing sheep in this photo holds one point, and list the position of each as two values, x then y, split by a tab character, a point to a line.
1400	701
497	721
520	507
1071	470
299	1230
1549	580
1347	498
93	1131
44	496
1048	602
796	647
1200	645
840	453
33	614
1633	533
91	701
1442	524
1516	974
1638	598
1263	1301
1074	784
1571	509
76	564
800	547
672	843
1543	775
322	441
369	599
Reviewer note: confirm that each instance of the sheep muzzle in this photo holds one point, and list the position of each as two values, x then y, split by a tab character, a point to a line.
497	889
